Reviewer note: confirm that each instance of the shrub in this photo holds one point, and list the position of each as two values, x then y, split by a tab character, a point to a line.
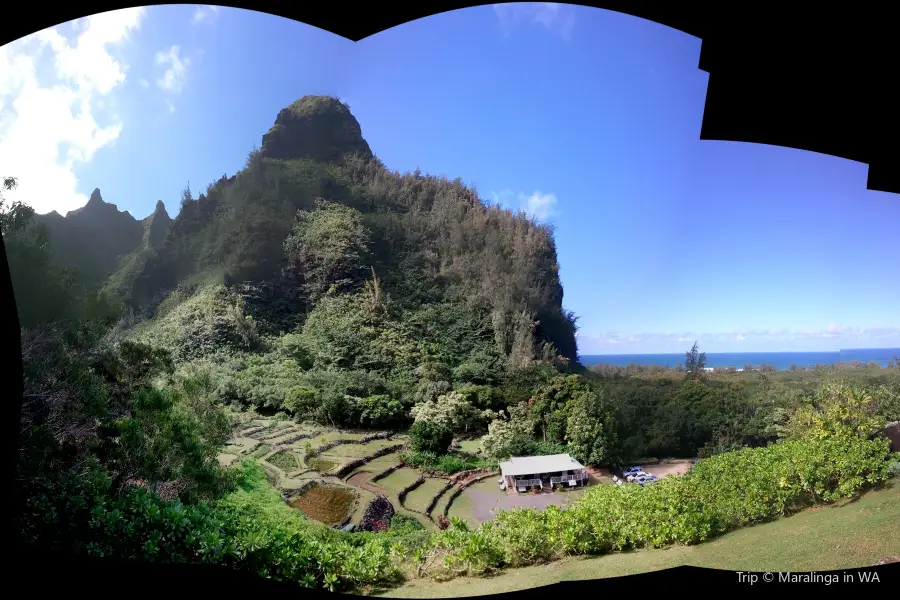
251	531
429	436
894	468
301	400
403	524
721	493
445	463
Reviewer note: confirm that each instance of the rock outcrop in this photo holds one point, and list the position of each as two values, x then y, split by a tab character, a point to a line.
315	127
156	226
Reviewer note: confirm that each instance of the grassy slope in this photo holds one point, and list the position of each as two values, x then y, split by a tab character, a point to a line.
852	534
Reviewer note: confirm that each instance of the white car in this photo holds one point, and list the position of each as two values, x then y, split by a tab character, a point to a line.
634	476
502	482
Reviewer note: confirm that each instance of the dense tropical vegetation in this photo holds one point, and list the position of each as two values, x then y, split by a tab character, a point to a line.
318	286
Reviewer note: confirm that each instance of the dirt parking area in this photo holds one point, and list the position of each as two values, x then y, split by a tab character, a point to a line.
480	501
668	468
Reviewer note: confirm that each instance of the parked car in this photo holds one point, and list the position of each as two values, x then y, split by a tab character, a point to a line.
502	482
631	471
645	479
636	475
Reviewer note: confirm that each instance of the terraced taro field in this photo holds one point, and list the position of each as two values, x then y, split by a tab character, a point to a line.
326	486
421	497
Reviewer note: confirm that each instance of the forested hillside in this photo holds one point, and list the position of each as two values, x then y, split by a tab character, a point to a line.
315	215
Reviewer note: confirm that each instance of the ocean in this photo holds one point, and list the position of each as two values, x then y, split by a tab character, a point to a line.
780	360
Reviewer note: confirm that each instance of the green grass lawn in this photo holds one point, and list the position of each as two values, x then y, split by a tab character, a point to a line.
420	498
848	535
399	479
470	446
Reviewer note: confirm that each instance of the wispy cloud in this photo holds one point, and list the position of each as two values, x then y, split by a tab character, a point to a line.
52	91
830	338
557	18
145	84
538	205
204	13
172	80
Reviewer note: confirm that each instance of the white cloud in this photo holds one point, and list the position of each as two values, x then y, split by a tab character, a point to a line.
538	205
204	13
172	80
51	87
558	18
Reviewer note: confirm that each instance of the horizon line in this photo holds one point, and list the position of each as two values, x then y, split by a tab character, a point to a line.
744	352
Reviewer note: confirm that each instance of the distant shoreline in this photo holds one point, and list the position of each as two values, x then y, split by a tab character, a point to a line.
782	361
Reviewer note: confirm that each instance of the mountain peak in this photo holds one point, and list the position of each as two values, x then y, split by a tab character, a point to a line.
318	127
156	225
96	205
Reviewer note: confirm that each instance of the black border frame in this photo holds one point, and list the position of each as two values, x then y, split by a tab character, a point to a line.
794	76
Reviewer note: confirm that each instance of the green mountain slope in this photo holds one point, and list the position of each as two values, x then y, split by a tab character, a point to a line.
155	228
425	240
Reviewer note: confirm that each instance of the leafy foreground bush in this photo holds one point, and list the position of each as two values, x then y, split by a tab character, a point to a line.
722	493
250	530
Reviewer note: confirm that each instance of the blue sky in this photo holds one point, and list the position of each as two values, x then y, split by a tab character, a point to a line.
588	119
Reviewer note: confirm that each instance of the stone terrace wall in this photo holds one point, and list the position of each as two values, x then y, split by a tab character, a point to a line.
355	464
436	498
321	449
386	472
402	495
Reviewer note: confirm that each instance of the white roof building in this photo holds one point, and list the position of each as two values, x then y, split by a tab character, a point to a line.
538	465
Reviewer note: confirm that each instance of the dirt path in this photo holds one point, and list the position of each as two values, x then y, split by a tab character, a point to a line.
361	480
